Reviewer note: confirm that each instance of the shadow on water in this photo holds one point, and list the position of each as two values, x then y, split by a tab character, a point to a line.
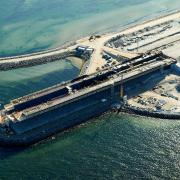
17	86
6	152
24	81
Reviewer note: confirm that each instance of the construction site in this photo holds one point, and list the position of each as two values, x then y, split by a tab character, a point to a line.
137	67
164	37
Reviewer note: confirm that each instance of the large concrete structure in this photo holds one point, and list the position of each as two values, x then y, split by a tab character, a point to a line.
107	78
65	105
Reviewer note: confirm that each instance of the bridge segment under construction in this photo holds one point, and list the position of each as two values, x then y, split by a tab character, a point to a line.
34	117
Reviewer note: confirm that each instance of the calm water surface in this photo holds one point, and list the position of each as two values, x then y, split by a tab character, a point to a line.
113	146
20	82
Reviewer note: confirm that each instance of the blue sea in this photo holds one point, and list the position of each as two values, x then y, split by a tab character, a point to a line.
114	146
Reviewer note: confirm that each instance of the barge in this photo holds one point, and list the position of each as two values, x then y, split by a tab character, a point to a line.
29	119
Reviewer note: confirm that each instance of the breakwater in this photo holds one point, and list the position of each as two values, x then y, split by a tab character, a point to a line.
27	61
145	112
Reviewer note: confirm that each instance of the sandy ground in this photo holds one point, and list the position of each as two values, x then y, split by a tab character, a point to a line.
98	44
77	62
173	51
156	37
170	86
164	37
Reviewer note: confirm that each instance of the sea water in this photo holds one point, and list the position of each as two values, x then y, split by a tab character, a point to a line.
20	82
114	146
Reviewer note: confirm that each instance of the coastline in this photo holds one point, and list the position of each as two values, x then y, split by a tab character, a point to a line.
77	62
69	52
68	48
74	42
143	112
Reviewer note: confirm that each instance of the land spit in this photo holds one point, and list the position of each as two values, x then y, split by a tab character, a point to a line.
101	45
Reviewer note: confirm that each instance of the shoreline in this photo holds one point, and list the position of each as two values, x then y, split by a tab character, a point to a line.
97	44
143	112
68	49
74	42
75	61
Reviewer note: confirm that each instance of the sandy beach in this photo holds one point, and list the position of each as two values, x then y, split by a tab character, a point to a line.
77	62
